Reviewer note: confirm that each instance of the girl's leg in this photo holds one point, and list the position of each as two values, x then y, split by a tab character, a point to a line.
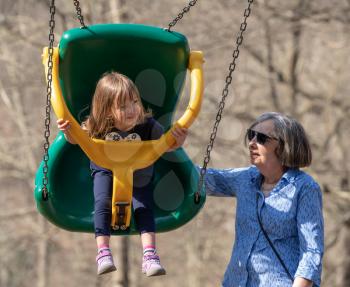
148	240
103	197
150	262
102	241
102	186
144	219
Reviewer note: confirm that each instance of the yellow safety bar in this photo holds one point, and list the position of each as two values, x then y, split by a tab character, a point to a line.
123	158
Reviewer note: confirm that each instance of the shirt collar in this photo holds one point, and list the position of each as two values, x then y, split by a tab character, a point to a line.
289	175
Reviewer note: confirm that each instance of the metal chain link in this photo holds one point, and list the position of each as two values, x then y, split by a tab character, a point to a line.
181	14
225	91
48	101
79	14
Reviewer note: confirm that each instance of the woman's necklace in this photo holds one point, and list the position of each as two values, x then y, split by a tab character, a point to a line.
267	187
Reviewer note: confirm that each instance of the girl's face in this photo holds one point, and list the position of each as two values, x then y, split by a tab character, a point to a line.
127	114
262	149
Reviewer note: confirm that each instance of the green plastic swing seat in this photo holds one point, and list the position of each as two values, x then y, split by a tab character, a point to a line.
156	60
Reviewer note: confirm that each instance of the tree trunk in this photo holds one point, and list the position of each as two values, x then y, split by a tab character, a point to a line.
42	268
121	254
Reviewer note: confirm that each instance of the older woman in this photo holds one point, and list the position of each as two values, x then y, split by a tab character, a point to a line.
279	222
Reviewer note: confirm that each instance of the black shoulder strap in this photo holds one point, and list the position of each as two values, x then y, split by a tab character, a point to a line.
270	242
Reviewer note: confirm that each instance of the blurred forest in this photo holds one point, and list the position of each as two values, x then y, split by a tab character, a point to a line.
294	59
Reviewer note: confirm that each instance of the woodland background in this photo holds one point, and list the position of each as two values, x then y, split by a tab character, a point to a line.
295	59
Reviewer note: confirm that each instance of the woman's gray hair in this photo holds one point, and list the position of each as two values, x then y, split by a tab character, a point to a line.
294	149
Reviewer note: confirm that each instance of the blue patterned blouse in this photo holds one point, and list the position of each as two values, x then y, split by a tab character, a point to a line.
292	217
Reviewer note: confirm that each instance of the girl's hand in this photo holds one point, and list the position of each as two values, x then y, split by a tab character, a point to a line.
64	126
180	135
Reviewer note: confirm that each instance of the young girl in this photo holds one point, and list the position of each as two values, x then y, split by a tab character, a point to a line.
117	114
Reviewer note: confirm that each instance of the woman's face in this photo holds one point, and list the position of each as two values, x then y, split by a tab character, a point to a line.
263	155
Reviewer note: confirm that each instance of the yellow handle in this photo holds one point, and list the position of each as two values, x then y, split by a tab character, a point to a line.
193	108
138	154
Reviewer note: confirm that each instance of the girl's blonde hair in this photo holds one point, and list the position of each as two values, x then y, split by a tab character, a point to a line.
112	90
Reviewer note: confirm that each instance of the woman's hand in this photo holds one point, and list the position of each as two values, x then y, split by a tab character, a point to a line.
64	126
180	135
302	282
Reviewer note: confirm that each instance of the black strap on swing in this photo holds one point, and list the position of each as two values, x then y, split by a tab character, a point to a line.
225	91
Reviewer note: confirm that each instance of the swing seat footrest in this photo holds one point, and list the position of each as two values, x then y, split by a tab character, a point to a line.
121	215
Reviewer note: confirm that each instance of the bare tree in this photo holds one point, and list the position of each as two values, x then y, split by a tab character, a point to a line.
294	60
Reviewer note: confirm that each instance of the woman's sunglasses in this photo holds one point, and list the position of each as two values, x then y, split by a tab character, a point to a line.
260	137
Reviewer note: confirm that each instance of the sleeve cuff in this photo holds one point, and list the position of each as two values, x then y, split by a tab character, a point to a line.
309	274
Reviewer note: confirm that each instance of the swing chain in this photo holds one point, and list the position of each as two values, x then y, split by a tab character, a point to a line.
181	14
79	14
225	92
48	100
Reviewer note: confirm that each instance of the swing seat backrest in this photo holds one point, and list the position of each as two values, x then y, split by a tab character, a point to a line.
156	60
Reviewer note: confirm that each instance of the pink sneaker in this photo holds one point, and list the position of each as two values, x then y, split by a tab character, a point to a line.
151	266
105	262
